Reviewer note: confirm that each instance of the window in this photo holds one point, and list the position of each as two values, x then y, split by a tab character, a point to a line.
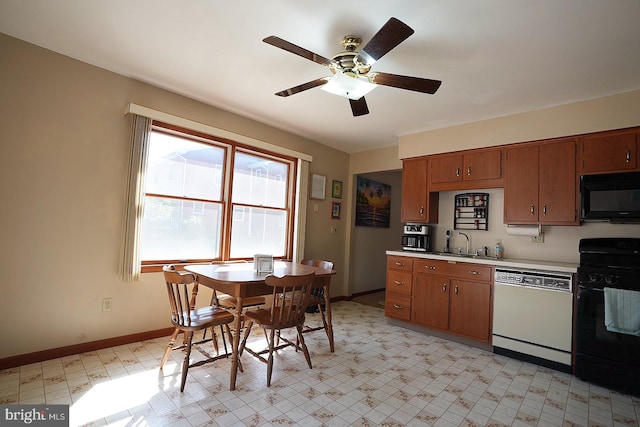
187	213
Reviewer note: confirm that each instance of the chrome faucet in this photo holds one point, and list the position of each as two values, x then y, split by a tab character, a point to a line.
482	251
468	241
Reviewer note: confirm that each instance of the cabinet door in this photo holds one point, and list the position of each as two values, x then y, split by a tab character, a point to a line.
558	183
609	153
430	301
446	169
521	185
482	165
471	309
414	190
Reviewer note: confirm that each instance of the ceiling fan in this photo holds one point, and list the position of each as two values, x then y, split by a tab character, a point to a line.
352	75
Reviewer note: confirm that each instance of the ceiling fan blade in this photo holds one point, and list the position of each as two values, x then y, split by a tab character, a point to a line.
359	107
303	87
392	33
300	51
416	84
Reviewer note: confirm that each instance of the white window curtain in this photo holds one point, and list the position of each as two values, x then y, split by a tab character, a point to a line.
301	210
130	255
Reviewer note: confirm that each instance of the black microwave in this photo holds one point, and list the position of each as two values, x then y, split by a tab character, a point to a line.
610	197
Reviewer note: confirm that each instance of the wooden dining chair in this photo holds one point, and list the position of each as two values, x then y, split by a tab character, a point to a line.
182	289
289	301
316	299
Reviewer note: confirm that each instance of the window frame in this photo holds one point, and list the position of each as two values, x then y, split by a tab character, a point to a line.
230	147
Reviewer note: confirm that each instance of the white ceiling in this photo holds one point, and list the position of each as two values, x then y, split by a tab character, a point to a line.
495	57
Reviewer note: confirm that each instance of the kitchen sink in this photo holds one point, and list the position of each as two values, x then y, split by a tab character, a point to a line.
462	255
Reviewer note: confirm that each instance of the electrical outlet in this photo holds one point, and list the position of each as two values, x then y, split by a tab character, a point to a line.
106	304
538	239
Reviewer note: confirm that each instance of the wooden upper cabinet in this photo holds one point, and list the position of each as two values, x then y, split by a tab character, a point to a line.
609	152
418	205
473	169
558	192
541	183
483	165
446	169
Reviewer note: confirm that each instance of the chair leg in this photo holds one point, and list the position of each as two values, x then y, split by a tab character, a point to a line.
231	341
304	346
324	320
247	331
214	339
167	351
270	359
185	363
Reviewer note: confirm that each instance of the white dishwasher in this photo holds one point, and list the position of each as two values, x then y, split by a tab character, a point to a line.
532	316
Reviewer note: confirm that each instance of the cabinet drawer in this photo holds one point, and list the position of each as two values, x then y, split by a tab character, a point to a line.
398	306
399	263
469	271
431	266
399	282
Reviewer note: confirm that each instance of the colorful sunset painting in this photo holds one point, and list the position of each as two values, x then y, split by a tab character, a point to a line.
373	203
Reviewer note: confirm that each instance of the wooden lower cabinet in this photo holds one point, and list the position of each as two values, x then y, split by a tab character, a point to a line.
431	297
470	310
449	296
399	284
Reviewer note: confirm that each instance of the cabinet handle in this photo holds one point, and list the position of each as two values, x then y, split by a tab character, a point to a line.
455	290
401	264
544	210
444	288
429	267
457	171
533	209
397	282
628	158
398	306
475	273
469	170
421	210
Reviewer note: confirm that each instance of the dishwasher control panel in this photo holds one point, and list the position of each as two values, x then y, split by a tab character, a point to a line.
535	279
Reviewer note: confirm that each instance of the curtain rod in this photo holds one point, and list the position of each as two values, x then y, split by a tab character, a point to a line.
211	130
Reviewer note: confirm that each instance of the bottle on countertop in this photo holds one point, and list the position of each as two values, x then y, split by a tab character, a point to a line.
499	250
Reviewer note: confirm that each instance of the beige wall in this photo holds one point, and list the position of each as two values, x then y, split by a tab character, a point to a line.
611	112
65	142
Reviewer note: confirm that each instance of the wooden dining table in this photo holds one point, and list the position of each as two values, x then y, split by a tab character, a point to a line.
241	280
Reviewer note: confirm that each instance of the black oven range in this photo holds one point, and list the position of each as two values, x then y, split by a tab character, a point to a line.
608	313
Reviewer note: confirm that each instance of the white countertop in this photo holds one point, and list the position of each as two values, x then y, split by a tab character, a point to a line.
561	267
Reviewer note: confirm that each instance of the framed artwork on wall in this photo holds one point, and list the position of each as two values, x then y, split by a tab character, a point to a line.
335	210
373	203
318	184
336	189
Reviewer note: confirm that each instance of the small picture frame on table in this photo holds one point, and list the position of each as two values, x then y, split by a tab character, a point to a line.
335	210
263	263
336	189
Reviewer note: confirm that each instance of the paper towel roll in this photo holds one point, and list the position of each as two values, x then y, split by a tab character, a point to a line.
524	230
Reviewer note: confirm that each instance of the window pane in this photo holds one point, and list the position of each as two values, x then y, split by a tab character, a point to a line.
259	181
258	231
180	229
184	168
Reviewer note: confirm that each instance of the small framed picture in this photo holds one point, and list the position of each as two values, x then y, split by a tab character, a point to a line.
318	184
263	263
335	210
336	189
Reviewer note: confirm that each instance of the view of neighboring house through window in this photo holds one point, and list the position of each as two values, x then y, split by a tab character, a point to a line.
187	216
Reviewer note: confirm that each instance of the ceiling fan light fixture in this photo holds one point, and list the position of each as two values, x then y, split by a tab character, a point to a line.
348	87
